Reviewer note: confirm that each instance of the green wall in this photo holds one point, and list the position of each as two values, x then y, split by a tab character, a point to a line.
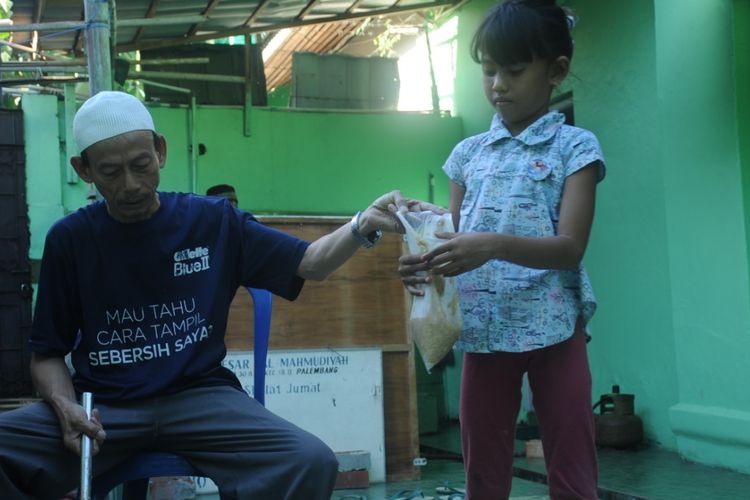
469	101
615	95
706	229
322	162
44	172
294	162
742	86
279	97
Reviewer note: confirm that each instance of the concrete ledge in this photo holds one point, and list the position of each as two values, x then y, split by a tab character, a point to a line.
711	423
353	460
712	435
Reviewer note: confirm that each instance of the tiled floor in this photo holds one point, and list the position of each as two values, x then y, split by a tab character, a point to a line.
437	472
649	473
658	474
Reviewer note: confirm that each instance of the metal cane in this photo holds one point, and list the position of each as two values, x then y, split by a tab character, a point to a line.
84	493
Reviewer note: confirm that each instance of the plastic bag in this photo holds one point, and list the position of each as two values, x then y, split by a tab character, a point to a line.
435	317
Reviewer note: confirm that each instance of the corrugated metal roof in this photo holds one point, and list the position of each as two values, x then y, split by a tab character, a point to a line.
321	26
221	18
320	38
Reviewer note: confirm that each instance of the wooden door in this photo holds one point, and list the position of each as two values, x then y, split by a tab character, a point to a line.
15	271
363	304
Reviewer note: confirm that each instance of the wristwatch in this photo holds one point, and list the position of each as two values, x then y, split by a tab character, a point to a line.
368	241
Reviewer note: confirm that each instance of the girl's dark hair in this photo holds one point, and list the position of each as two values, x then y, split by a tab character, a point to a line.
520	31
219	189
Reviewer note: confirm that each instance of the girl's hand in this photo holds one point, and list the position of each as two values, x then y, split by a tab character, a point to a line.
408	267
423	206
462	253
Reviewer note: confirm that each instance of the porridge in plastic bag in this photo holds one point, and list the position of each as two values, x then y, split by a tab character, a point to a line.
435	317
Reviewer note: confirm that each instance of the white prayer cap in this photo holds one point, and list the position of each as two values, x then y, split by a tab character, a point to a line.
108	114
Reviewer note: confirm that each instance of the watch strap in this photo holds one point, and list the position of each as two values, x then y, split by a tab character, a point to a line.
367	241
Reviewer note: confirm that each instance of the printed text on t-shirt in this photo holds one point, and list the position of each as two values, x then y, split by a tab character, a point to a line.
142	333
191	261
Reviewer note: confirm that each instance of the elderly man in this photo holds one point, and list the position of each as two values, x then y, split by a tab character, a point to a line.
138	288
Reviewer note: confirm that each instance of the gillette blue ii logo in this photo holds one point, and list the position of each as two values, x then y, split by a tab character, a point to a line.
191	261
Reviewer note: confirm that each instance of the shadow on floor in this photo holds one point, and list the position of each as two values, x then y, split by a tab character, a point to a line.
437	472
646	473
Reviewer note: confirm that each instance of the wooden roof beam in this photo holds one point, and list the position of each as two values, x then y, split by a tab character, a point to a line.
345	39
55	26
151	12
306	10
353	6
77	47
17	46
257	12
206	12
38	9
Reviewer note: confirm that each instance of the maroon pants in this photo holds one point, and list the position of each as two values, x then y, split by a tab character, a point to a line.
490	398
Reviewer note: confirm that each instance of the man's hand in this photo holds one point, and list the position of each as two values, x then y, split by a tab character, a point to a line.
382	214
414	269
329	252
74	424
52	381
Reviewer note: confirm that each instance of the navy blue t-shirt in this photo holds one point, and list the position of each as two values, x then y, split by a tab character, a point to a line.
151	299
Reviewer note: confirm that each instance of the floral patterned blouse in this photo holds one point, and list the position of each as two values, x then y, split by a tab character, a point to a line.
514	186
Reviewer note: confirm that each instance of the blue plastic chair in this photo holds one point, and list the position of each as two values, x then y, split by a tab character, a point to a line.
138	468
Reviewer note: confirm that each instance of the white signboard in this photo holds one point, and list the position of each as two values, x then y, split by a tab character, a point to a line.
336	395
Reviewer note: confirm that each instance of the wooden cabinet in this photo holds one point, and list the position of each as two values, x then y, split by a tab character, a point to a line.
362	304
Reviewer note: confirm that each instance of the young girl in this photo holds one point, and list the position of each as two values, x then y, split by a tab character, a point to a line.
522	199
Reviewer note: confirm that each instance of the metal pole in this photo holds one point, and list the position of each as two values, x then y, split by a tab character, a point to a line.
42	79
161	21
32	89
248	87
173	88
192	122
125	23
98	45
174	75
84	493
17	46
433	86
53	26
42	64
70	146
113	25
180	60
35	68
